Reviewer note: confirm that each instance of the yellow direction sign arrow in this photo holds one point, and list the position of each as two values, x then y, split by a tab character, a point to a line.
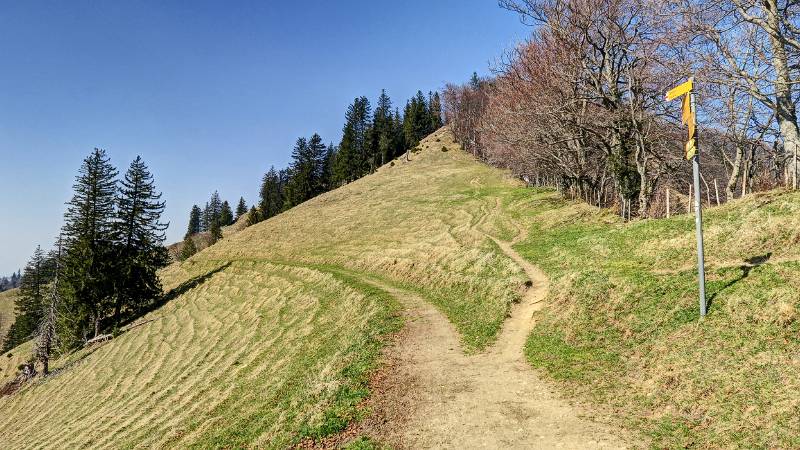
679	90
686	112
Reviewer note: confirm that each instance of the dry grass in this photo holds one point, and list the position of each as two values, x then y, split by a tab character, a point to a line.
271	334
251	356
420	223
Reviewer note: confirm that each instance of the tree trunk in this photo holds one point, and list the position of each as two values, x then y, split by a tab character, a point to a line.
645	190
730	188
791	140
785	111
117	310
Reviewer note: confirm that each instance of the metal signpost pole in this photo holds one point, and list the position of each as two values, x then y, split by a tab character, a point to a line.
689	118
698	216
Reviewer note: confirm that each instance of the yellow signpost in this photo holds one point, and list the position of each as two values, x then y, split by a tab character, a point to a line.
680	90
689	118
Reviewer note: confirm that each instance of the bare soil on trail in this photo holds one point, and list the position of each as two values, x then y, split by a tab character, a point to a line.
489	400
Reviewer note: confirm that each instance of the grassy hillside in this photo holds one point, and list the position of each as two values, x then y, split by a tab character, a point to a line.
421	224
622	327
270	333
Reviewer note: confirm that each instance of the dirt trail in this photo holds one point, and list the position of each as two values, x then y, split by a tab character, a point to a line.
490	400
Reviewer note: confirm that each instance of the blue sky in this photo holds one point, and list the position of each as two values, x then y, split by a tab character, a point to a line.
209	93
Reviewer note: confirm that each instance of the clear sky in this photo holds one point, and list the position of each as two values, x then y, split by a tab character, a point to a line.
209	93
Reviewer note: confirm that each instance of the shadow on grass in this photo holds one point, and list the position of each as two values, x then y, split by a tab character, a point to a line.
174	293
749	264
185	287
129	323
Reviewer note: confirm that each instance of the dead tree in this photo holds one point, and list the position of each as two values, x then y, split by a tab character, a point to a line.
47	337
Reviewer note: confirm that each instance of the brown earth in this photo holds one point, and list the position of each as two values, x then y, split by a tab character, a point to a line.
489	400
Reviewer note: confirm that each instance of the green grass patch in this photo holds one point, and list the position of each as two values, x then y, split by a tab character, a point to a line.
622	325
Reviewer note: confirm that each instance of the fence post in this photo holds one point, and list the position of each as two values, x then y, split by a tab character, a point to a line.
667	203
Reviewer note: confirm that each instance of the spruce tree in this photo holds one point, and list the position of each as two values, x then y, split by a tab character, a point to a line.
253	216
226	214
90	258
300	183
382	130
416	120
346	158
327	181
187	249
205	218
283	180
194	221
398	135
139	237
271	194
214	208
317	153
215	231
29	304
15	280
241	209
435	107
47	333
355	157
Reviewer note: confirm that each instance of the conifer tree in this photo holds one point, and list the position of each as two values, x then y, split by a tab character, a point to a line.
307	171
346	158
253	216
301	181
194	221
139	237
383	130
241	209
47	335
417	120
283	180
226	214
214	208
88	235
29	305
215	230
205	218
271	194
327	178
435	107
316	161
399	140
354	157
187	249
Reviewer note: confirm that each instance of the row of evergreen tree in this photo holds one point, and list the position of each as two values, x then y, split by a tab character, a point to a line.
216	214
11	282
109	250
369	140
